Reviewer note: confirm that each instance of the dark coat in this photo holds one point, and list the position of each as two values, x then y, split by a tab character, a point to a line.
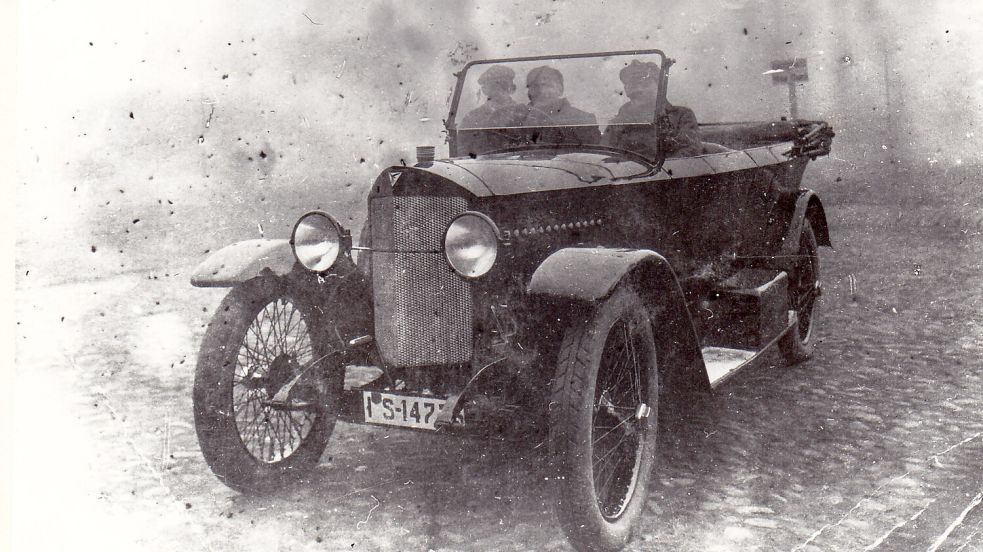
683	139
489	115
557	119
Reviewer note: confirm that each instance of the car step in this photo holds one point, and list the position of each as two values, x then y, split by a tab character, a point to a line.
723	362
746	311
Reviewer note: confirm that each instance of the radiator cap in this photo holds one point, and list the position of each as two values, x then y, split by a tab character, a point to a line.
425	155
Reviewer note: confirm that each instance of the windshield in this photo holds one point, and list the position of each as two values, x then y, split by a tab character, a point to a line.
585	92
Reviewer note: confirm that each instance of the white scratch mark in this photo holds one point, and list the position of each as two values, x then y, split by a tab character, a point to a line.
104	400
146	461
935	457
823	529
901	524
341	71
377	503
356	491
942	538
165	449
969	540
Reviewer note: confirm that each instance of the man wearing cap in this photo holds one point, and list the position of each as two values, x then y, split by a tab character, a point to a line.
562	123
497	84
641	81
499	111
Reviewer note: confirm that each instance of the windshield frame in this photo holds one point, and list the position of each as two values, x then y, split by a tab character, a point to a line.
451	122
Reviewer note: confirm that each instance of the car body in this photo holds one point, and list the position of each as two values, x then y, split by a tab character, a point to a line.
540	278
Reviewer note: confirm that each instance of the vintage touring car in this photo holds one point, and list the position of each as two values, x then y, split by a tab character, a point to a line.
579	259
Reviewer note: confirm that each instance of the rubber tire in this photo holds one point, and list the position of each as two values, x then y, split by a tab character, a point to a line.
794	347
215	423
571	405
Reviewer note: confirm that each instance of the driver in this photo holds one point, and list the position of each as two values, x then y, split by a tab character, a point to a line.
563	123
500	110
641	81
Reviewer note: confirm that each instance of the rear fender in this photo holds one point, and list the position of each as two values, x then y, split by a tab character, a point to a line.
807	208
245	260
577	278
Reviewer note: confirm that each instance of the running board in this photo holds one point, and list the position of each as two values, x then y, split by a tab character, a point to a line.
724	362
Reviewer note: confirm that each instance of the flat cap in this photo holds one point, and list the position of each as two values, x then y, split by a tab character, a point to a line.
497	73
543	72
638	71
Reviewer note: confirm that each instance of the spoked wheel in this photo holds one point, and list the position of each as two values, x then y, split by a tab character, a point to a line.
266	388
603	422
803	294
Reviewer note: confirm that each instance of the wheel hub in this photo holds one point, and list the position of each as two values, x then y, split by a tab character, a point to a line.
282	368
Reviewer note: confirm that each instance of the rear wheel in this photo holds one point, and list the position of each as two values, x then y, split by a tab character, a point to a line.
603	422
803	294
262	337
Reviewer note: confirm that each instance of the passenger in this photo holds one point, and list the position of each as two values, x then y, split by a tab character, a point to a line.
641	81
500	110
562	123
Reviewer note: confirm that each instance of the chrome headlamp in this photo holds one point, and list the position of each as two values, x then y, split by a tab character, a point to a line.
471	244
317	241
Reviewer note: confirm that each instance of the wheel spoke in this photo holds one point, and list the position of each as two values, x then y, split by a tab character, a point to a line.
289	327
806	299
611	430
275	345
289	425
250	366
278	433
618	369
272	339
302	348
616	470
636	380
256	430
280	325
286	313
273	314
607	454
617	434
257	331
621	374
255	422
274	331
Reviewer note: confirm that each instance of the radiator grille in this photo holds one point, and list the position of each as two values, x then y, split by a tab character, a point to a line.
422	309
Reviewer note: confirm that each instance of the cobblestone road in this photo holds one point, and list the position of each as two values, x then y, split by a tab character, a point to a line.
874	444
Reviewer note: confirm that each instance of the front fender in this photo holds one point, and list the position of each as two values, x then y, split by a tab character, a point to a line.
242	261
587	275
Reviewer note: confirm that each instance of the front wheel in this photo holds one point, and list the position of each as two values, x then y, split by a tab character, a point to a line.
603	422
261	339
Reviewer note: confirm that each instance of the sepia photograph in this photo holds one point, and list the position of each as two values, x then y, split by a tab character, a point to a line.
553	275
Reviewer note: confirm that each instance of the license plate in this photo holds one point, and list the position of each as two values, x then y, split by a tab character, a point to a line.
401	410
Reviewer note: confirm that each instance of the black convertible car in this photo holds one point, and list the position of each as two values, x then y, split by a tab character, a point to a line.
579	265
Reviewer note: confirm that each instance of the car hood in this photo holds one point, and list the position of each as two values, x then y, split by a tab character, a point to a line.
537	171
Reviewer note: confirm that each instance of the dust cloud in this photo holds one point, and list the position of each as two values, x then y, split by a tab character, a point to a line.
149	135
